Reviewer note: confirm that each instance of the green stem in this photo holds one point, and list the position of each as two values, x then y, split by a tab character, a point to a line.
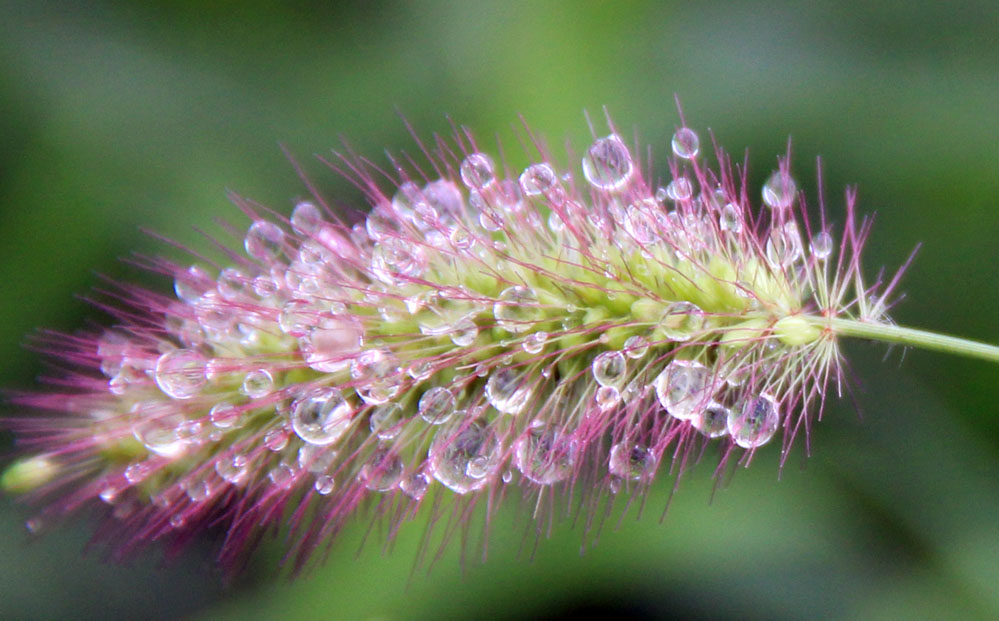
888	333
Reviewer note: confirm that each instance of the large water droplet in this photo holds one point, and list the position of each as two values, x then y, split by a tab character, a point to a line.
263	241
631	461
324	484
635	346
306	218
822	246
784	245
397	261
681	321
640	223
382	471
377	376
516	309
321	417
192	283
234	469
685	143
156	429
436	406
180	373
258	384
455	448
779	191
508	390
386	421
477	171
755	423
730	218
607	397
535	342
679	189
684	388
712	421
545	455
607	164
233	284
610	368
538	179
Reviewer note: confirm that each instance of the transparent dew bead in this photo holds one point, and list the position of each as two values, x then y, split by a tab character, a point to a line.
386	420
321	417
516	309
324	484
779	191
436	406
258	384
282	475
635	347
545	454
477	171
684	388
180	373
377	376
607	397
382	471
276	439
233	284
607	164
535	342
233	470
631	462
263	241
784	245
681	321
306	218
730	218
686	143
396	261
405	198
420	370
755	423
156	429
641	225
415	485
822	246
712	421
455	448
538	179
298	317
679	189
610	368
465	332
508	390
315	459
192	283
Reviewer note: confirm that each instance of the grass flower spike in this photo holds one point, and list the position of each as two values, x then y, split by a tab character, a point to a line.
571	335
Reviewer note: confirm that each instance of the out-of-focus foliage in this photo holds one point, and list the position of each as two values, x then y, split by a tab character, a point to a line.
116	117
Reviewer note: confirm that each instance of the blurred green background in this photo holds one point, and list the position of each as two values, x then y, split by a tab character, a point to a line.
121	116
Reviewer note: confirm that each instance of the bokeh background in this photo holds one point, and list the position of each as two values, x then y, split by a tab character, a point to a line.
116	117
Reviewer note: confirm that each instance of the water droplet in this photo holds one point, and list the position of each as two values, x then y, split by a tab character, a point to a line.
263	241
233	284
681	321
508	390
610	368
730	218
784	245
679	189
224	415
545	455
779	191
137	472
405	198
607	397
192	283
382	471
324	484
180	373
298	317
538	179
685	143
684	388
282	475
322	416
636	347
265	286
276	439
377	376
477	171
382	223
420	370
516	309
415	485
822	246
640	223
464	333
452	451
755	423
197	489
156	429
306	218
386	421
632	462
397	261
436	406
607	164
234	470
712	421
535	342
258	384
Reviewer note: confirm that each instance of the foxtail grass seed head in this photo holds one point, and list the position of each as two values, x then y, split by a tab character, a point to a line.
578	333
